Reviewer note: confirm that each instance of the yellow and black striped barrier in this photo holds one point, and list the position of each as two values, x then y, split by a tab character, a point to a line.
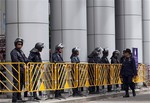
50	76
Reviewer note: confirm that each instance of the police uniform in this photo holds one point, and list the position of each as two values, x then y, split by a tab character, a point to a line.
17	55
35	56
93	58
105	60
115	60
128	71
57	58
75	59
122	59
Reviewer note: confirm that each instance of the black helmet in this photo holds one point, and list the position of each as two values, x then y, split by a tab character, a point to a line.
116	52
105	51
39	46
75	50
18	40
59	46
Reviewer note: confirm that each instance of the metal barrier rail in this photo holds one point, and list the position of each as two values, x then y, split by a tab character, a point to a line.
40	77
13	75
141	77
50	76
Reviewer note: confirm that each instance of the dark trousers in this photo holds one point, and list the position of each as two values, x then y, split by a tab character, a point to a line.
127	82
75	91
109	88
58	93
92	89
17	95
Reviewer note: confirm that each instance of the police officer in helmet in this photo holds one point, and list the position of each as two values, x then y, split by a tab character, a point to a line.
75	59
115	60
57	58
105	60
35	56
128	72
115	57
17	55
94	57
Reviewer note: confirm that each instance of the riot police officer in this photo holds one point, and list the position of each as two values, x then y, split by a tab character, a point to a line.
115	60
105	60
17	55
128	72
75	59
94	57
115	57
35	56
57	58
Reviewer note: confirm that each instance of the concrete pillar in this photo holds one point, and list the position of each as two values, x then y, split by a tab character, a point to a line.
2	17
146	31
129	25
68	25
101	24
28	19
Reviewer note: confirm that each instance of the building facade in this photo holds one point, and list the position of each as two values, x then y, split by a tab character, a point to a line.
112	24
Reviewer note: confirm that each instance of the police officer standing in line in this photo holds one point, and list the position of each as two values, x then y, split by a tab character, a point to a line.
115	57
94	57
35	56
75	59
17	55
128	72
105	60
115	60
57	58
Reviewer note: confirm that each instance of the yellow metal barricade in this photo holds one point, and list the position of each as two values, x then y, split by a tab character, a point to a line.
92	74
103	74
41	77
115	74
65	75
141	74
83	75
58	76
12	76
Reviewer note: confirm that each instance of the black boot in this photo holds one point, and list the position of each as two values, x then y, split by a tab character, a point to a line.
35	96
133	92
126	95
25	94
